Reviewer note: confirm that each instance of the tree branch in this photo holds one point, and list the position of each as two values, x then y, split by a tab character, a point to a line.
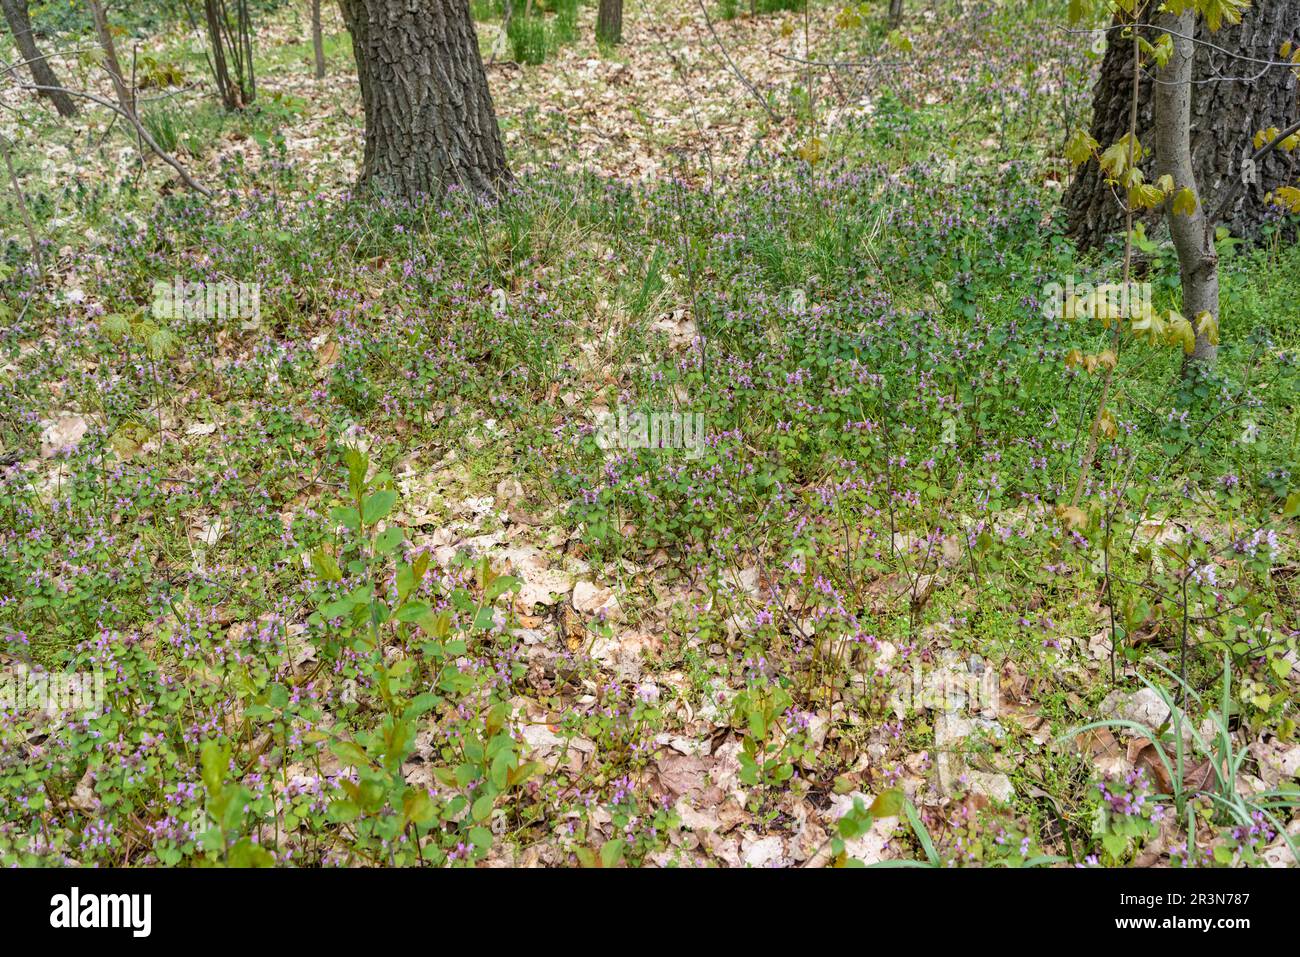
1230	196
735	69
134	121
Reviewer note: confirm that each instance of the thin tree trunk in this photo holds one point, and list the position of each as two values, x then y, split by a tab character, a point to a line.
1094	210
430	123
895	14
124	96
317	41
20	25
230	98
1192	233
609	21
247	70
22	207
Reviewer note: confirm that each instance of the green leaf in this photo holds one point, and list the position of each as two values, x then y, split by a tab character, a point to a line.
417	807
610	853
234	798
216	761
500	772
421	704
521	773
278	697
358	464
888	803
1292	507
325	566
350	753
499	586
378	505
1184	202
247	854
1080	147
856	821
1080	10
347	517
389	539
922	835
343	812
413	611
337	609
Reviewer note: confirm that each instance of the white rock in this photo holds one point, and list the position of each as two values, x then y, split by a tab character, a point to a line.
66	431
991	785
762	852
1143	706
592	599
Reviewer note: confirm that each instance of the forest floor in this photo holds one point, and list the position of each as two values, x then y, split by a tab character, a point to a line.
382	569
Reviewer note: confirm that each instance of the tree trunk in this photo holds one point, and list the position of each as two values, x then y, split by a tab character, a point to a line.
125	99
1231	100
22	207
1093	209
430	123
1226	113
317	41
895	14
609	21
42	73
1193	233
230	97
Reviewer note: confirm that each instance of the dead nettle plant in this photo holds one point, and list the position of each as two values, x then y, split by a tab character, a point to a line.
1199	771
827	578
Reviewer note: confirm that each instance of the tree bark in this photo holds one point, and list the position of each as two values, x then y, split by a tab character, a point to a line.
1192	233
895	14
220	69
317	41
1227	112
430	123
609	21
20	25
232	49
1231	100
